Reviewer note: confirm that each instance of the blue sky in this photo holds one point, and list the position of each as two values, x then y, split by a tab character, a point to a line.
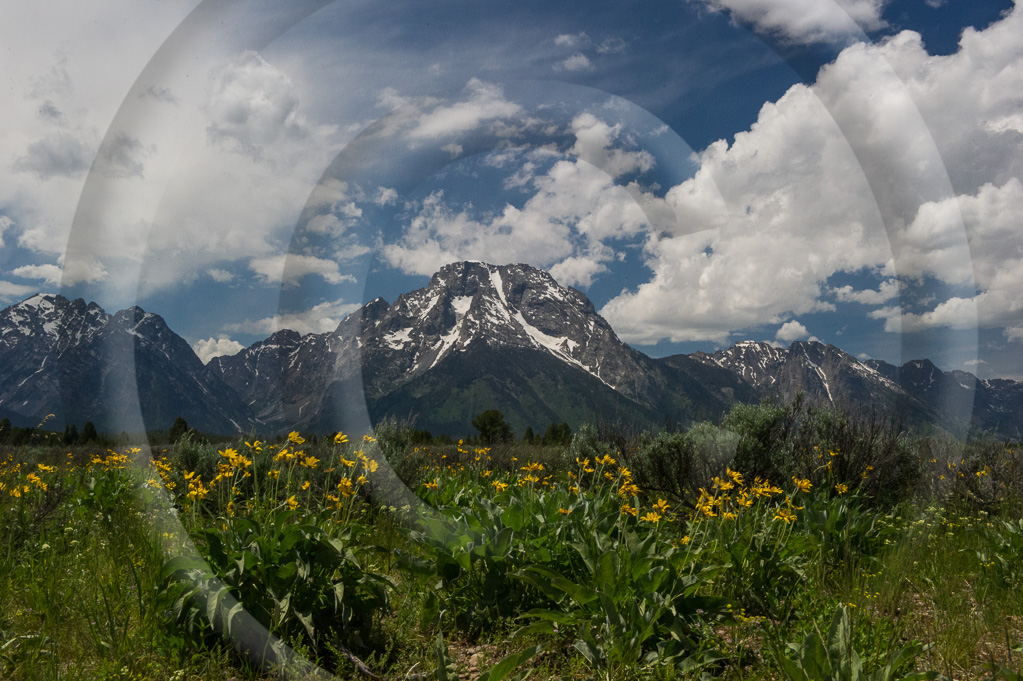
707	171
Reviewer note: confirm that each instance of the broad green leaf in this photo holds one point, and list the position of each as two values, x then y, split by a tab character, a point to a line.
184	563
213	603
551	615
512	517
501	544
287	572
235	610
506	666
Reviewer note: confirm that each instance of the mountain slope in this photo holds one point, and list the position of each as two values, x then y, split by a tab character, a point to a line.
73	359
476	337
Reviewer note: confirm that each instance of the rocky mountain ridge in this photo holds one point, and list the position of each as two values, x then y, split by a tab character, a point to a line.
478	336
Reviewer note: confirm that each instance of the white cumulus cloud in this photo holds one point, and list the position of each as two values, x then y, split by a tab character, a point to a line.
887	165
576	62
807	21
484	102
321	318
792	331
207	349
48	273
10	292
289	269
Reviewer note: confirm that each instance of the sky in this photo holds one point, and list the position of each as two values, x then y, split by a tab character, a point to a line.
706	171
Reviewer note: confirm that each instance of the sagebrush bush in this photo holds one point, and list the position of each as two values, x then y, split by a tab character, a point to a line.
679	464
764	431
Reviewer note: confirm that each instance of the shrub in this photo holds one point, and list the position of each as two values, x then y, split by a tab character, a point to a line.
764	430
680	464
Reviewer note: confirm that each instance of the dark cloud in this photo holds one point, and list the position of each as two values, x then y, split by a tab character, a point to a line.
57	155
160	94
50	112
122	156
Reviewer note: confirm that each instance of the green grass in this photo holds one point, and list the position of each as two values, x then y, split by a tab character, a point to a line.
557	559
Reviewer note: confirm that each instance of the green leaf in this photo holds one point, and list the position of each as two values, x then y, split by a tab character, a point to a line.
215	547
287	572
611	612
813	659
245	562
501	544
306	619
608	570
235	610
184	564
430	610
445	671
512	517
590	651
551	615
556	586
897	660
213	603
506	666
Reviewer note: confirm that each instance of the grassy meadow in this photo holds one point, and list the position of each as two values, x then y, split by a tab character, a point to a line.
784	543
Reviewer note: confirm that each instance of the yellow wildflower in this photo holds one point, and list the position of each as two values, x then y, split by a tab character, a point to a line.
499	486
345	487
722	484
652	517
784	514
628	489
292	502
340	438
293	436
803	484
841	488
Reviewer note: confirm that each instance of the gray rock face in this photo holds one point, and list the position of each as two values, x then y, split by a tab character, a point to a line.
81	364
918	393
477	337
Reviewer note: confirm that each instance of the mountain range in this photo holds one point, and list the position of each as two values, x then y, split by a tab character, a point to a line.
477	337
